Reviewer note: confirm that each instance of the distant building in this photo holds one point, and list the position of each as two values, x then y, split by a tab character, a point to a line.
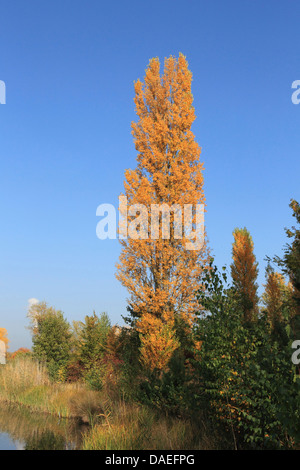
2	353
118	329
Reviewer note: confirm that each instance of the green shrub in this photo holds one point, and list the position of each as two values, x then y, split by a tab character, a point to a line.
245	374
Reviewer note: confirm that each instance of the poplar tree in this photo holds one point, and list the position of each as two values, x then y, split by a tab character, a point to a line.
162	275
244	272
275	295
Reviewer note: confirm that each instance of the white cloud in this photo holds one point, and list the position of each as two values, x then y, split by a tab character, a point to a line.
32	302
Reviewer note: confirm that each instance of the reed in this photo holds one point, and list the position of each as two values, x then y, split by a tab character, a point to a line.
25	382
135	427
114	423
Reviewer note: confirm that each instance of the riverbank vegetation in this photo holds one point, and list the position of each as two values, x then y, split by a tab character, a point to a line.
230	383
26	381
203	362
40	431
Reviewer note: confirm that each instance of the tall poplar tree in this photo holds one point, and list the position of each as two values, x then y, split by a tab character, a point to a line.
275	295
244	272
160	274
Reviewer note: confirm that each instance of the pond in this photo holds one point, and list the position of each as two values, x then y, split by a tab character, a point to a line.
21	429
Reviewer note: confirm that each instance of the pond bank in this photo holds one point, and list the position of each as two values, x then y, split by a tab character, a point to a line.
26	383
20	429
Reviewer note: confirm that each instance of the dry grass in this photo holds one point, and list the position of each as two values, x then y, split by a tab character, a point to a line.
26	382
22	373
134	427
115	425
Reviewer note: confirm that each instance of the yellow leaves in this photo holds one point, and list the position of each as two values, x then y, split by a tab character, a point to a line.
198	345
276	292
244	271
158	341
161	275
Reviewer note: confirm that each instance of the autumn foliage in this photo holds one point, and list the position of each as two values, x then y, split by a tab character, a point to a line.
244	271
21	352
203	361
158	341
160	274
274	296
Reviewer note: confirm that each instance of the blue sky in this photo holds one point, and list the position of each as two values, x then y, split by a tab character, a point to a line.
65	136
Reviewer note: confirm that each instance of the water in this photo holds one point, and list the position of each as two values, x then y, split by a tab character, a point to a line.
7	443
21	429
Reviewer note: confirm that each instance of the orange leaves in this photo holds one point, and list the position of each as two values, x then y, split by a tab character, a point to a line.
244	271
275	294
158	340
162	274
20	352
162	134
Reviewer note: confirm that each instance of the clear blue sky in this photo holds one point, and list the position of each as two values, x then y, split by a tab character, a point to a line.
65	140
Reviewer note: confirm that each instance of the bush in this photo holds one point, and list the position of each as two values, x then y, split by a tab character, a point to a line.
94	377
245	374
168	391
51	339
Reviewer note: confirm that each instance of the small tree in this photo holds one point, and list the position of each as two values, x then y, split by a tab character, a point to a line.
91	346
51	338
276	297
20	353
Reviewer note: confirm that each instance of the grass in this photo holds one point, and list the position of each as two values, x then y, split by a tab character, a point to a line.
136	427
26	382
114	423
